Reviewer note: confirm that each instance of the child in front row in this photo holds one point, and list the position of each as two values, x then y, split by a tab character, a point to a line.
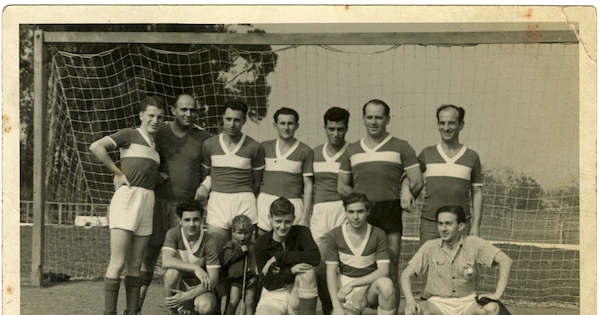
237	259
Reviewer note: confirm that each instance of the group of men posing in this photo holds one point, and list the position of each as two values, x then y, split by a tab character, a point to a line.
329	219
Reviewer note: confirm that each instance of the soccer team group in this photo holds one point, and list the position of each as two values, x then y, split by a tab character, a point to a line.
328	220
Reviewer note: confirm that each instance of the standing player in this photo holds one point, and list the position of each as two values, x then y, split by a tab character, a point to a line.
374	166
191	258
235	163
328	211
360	252
288	171
130	211
451	263
451	171
180	145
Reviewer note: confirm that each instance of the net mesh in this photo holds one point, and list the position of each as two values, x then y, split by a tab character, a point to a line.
522	119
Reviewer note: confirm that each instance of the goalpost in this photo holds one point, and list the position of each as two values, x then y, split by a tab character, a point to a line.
87	96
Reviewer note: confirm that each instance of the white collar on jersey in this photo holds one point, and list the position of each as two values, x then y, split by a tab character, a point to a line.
451	160
192	250
366	148
335	156
357	251
290	151
145	136
237	146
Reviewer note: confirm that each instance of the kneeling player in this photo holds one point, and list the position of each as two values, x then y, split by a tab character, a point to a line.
360	250
285	257
451	264
192	261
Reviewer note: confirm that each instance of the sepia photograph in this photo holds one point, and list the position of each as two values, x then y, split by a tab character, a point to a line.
299	160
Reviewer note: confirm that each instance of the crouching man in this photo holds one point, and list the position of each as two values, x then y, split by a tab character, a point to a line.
360	250
286	257
192	261
451	265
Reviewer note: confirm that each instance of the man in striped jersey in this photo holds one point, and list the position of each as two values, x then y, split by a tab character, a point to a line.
328	211
452	172
288	171
360	252
235	163
374	166
130	211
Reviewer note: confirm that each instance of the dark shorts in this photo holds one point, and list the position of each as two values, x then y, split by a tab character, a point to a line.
165	217
387	215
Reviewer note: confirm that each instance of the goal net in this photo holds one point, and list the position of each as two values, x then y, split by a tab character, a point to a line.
521	104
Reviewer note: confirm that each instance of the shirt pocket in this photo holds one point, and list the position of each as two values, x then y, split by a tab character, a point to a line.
440	266
469	269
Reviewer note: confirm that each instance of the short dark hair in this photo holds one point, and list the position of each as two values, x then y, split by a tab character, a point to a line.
281	206
460	110
236	104
336	114
356	197
377	102
155	101
179	97
190	205
286	111
458	211
241	222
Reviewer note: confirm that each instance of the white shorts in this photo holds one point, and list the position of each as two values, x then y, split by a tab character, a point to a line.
356	300
223	207
132	209
453	306
326	216
278	299
263	203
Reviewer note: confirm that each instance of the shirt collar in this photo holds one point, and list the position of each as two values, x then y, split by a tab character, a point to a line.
461	241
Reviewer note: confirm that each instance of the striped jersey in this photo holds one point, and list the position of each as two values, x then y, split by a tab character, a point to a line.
326	169
377	172
231	171
448	180
204	252
139	158
357	261
284	173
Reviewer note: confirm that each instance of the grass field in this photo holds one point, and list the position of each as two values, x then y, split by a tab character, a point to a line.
540	276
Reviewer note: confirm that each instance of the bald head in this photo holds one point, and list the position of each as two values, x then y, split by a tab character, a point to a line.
185	110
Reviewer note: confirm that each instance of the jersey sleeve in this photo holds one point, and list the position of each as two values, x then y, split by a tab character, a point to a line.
121	138
332	256
212	254
307	162
408	156
382	255
171	239
421	159
258	160
206	153
476	176
345	165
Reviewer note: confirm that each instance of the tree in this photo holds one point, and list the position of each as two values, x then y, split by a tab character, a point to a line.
505	188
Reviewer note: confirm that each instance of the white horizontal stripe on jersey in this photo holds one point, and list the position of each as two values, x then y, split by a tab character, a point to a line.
326	167
139	151
358	262
283	165
386	156
231	160
448	170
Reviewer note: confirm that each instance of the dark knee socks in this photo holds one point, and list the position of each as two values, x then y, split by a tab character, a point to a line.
146	280
132	291
308	306
111	294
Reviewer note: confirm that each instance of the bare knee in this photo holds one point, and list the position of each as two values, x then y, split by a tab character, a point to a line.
492	308
385	287
203	304
172	277
307	279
